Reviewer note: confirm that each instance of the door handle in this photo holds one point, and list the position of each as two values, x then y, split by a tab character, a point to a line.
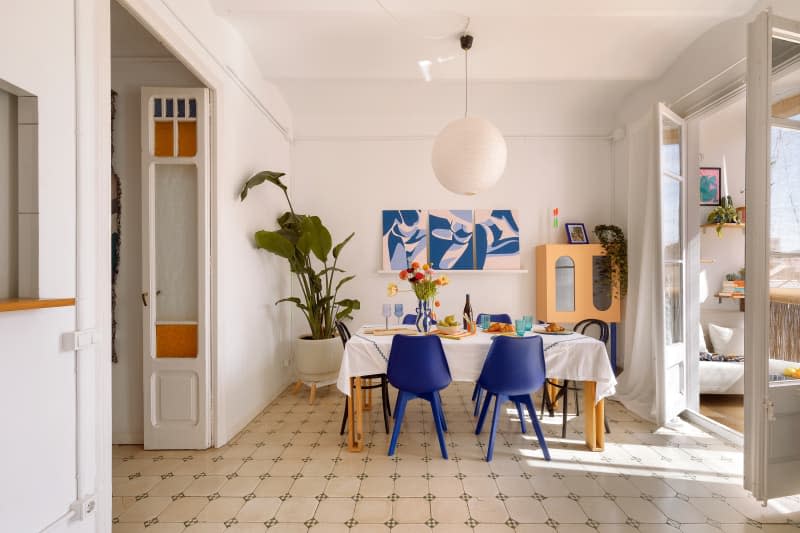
146	294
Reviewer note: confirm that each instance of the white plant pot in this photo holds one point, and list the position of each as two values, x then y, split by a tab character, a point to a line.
317	361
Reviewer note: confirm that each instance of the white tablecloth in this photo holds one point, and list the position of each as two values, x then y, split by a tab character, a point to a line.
574	357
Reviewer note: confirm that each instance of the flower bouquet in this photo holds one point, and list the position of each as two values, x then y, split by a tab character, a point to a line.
425	286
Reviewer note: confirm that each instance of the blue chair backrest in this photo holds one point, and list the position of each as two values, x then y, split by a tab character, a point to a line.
500	317
418	364
514	365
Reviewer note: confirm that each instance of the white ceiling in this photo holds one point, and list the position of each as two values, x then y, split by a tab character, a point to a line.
515	40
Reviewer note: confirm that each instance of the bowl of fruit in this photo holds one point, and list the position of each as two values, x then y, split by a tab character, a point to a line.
448	325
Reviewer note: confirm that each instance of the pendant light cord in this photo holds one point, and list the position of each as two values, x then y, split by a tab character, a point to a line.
466	82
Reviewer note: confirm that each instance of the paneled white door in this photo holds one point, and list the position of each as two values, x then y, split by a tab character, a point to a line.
671	396
772	258
175	280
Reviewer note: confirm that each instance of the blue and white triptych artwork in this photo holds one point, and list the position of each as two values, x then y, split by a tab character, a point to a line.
451	239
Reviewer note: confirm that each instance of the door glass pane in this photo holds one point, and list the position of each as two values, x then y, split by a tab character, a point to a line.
601	282
784	265
671	147
176	259
671	218
673	298
565	284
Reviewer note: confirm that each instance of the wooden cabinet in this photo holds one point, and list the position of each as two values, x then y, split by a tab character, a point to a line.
570	286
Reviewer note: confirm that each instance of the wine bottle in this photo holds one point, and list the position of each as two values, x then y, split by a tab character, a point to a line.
467	314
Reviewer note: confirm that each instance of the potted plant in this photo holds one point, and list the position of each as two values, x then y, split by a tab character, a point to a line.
724	214
299	239
614	243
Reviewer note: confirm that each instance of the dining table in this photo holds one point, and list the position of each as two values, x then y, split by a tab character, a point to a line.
570	356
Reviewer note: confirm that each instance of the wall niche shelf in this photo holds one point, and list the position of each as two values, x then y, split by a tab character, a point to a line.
471	271
25	304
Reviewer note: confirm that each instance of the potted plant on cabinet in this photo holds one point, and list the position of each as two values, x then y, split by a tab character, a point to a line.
300	239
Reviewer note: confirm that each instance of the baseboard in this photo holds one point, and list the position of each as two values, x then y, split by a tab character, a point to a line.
125	437
712	426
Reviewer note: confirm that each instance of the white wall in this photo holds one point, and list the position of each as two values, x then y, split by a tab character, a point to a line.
37	378
363	147
127	77
251	339
8	194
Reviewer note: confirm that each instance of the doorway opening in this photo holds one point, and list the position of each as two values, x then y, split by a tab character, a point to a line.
160	270
720	189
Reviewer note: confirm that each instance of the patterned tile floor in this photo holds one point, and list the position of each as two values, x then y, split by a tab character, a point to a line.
290	471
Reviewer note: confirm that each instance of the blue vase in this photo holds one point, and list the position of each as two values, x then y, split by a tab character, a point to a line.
424	319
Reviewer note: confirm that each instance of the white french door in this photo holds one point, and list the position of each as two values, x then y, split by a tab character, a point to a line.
671	396
772	258
175	273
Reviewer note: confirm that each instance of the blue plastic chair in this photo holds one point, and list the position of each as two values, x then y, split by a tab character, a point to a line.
411	320
503	318
418	369
514	368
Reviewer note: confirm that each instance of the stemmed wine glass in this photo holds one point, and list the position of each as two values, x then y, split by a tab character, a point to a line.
387	312
398	312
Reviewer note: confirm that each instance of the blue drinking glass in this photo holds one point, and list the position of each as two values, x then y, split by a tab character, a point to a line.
528	322
519	325
398	312
485	322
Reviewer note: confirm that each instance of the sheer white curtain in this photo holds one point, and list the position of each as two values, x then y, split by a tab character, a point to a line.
636	388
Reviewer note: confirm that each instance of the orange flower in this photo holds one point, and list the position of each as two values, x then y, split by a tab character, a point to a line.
437	303
415	265
443	280
437	282
403	274
426	267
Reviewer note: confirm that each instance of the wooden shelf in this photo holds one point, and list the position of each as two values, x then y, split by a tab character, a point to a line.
24	304
449	272
739	298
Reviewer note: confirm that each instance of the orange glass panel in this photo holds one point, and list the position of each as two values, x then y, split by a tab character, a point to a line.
176	340
187	139
163	146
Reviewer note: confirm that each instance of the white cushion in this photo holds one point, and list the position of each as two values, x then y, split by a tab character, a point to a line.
726	341
703	346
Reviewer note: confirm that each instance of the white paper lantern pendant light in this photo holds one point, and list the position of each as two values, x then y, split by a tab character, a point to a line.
469	154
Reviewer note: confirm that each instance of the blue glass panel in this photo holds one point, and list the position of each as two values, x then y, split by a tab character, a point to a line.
181	107
157	107
193	108
170	107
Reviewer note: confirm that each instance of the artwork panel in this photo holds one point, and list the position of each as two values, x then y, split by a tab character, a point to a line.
451	239
405	238
497	245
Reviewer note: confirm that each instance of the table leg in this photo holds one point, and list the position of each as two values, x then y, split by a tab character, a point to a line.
355	422
593	418
552	393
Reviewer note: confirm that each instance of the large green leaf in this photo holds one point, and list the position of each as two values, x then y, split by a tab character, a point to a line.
274	242
338	248
295	301
317	237
342	282
261	177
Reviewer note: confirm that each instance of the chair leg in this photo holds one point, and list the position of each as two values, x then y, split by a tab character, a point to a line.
385	387
521	415
478	394
537	428
399	411
484	410
441	410
498	402
475	392
436	408
565	401
385	405
577	403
